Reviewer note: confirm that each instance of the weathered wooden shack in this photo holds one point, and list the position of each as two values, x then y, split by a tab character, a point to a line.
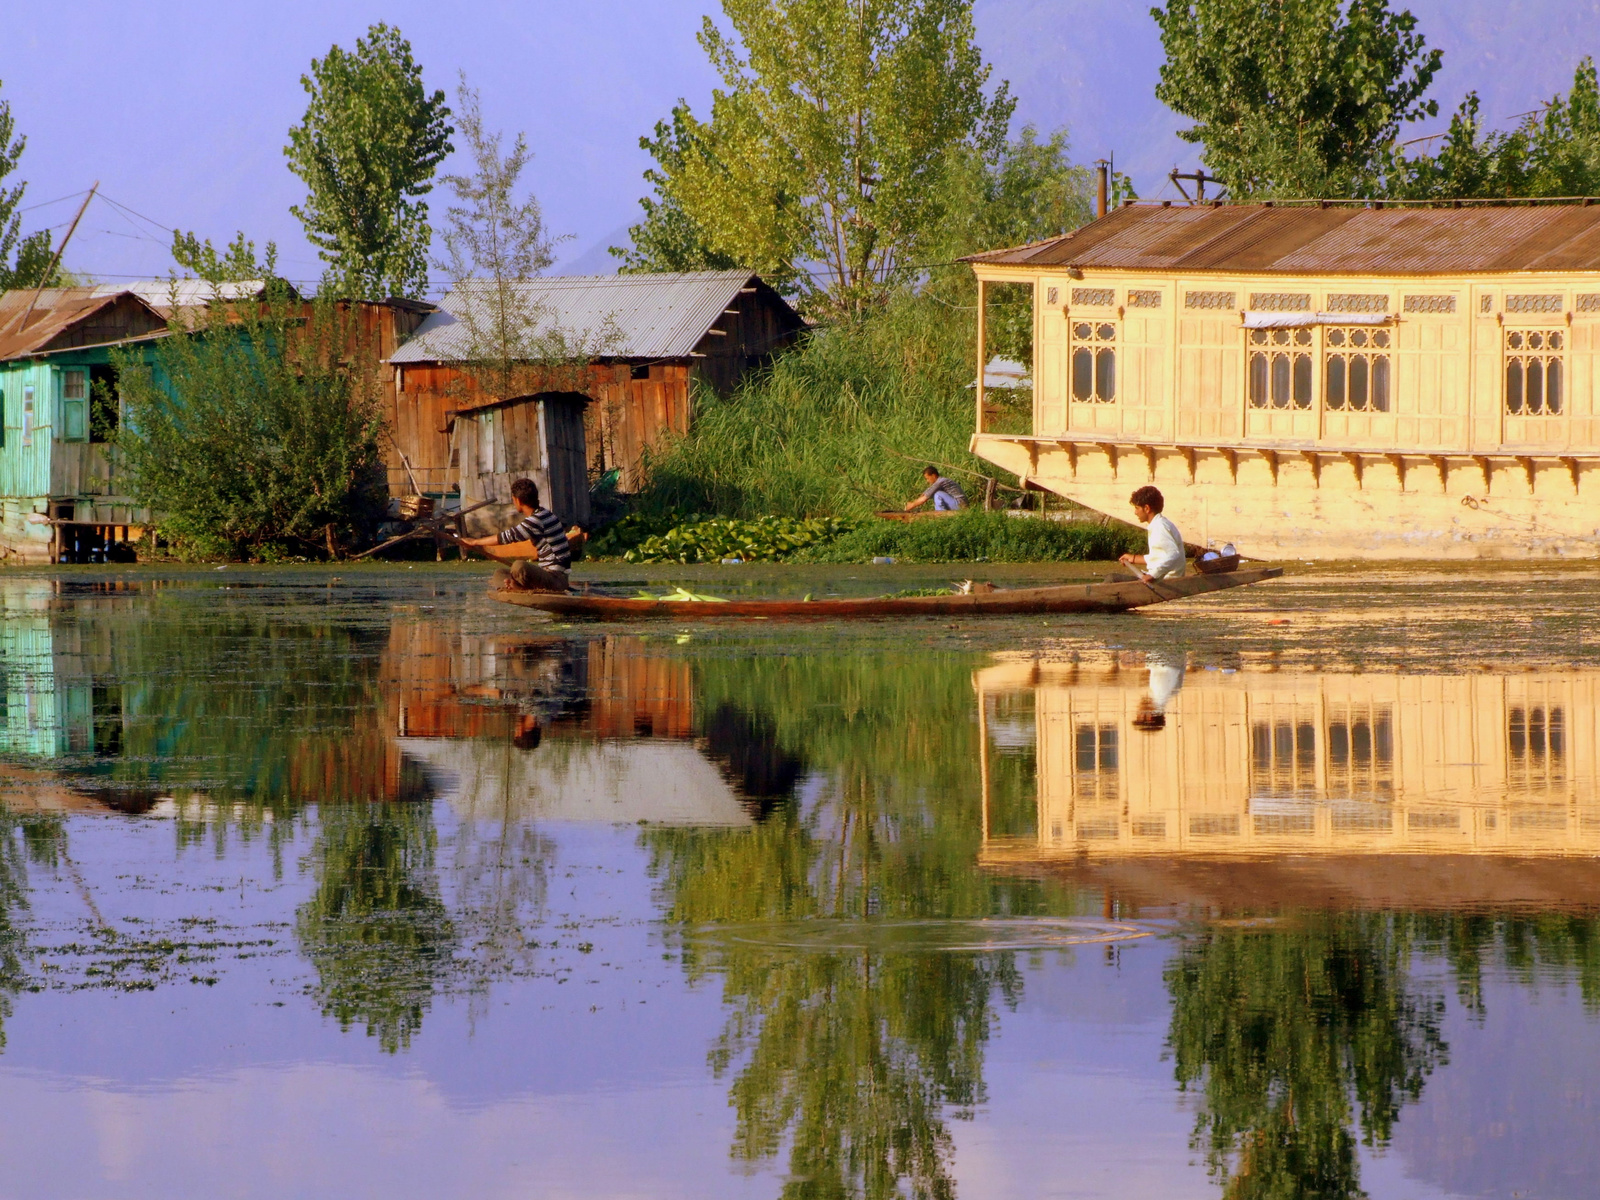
60	499
671	331
1321	380
58	393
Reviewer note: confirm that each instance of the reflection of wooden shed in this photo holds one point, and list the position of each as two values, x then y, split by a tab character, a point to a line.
671	330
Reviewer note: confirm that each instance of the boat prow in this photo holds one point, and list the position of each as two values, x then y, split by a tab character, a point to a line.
1112	596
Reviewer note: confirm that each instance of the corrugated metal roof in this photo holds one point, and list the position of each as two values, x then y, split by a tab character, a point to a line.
659	315
56	311
189	293
1334	240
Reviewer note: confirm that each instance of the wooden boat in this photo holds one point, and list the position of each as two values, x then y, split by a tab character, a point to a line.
1112	596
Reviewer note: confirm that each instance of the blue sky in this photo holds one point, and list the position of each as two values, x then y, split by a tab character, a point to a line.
180	109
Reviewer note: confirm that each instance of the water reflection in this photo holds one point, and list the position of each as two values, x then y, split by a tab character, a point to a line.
1352	778
821	836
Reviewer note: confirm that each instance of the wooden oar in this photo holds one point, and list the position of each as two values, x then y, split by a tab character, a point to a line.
432	527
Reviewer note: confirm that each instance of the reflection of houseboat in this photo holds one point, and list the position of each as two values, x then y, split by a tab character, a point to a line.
1280	766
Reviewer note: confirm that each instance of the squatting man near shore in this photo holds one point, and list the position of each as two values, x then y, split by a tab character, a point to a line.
944	493
541	527
1164	558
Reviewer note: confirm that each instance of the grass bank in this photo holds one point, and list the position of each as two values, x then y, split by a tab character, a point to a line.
979	537
840	426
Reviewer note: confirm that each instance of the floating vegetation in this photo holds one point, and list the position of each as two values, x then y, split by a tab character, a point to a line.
765	539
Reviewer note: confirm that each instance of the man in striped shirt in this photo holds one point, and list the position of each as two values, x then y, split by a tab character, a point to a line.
542	528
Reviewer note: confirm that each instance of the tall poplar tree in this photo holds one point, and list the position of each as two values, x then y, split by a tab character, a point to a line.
23	260
829	144
367	149
1294	98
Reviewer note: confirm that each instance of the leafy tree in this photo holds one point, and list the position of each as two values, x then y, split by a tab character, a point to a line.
1552	152
669	239
379	936
1294	1038
830	142
258	431
494	244
367	149
1294	98
32	254
236	264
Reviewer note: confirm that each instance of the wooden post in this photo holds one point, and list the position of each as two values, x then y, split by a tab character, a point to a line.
983	361
988	494
1102	199
983	762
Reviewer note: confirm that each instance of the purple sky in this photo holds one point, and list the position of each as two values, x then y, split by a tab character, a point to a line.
181	109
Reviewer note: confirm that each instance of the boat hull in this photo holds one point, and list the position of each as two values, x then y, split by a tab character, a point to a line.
1114	596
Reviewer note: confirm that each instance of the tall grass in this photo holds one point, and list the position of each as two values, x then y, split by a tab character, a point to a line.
839	426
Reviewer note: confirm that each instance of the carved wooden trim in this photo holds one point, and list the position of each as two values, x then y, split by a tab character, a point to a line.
1571	464
1232	455
1111	453
1526	463
1398	461
1271	457
1486	467
1442	465
1314	461
1354	459
1189	461
1149	453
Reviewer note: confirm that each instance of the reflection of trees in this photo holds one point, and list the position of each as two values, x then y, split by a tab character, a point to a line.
375	930
1294	1035
854	1057
1529	946
22	839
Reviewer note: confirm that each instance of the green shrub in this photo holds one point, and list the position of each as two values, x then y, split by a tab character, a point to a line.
622	535
980	536
716	538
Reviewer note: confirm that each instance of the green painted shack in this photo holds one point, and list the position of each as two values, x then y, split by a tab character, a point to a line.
58	396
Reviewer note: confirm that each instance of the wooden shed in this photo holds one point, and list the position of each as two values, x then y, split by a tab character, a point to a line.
1321	380
671	331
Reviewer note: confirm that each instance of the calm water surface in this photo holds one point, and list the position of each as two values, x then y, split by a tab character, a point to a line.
358	884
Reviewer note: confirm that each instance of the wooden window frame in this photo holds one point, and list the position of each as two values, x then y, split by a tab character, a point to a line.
1291	347
1520	347
1373	346
1100	349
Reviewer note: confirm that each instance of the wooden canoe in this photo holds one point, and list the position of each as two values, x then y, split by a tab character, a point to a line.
1112	596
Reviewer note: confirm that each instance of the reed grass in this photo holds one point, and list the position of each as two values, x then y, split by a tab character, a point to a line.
840	426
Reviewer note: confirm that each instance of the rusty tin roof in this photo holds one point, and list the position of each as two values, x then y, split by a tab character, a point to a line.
55	313
1313	240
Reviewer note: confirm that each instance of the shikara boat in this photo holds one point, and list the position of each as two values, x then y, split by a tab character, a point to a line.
1115	595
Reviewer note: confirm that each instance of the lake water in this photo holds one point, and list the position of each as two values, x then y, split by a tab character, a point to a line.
354	883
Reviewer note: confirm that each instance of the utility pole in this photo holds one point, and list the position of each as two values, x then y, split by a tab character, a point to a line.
1198	178
54	262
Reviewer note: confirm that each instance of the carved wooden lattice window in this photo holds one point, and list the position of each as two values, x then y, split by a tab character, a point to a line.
1144	299
1533	372
1210	300
1280	368
1536	744
1360	751
1486	304
1094	297
1280	301
1357	370
1548	303
1052	296
1095	762
1589	302
1357	302
1435	305
1094	362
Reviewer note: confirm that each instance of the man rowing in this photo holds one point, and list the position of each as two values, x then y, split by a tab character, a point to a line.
542	529
1164	557
944	493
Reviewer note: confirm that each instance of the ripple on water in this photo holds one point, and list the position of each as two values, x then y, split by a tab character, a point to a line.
925	936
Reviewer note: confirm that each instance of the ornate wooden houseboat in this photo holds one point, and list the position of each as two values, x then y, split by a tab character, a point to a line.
1321	380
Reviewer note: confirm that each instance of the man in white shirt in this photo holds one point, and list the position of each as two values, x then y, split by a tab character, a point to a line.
1164	558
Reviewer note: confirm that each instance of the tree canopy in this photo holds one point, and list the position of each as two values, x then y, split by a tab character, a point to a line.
829	145
23	260
1294	98
367	150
